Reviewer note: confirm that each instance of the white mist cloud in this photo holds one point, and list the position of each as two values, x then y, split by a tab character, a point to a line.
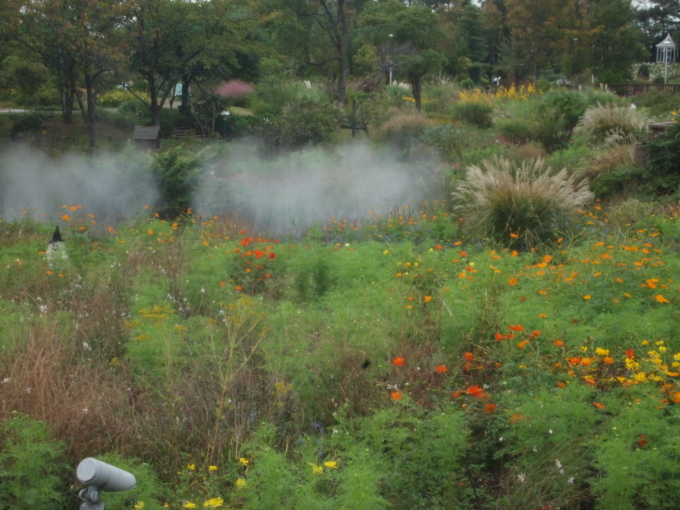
105	185
296	190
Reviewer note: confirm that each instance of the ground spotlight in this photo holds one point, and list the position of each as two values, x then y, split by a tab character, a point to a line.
98	477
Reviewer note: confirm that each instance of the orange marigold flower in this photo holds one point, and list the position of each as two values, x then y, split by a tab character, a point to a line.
585	362
490	408
608	360
66	217
439	247
469	356
239	288
516	327
427	299
440	369
522	344
272	255
514	236
574	361
463	254
598	405
535	333
561	385
559	343
398	361
512	281
396	395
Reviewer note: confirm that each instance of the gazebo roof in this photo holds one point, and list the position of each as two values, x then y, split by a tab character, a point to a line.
667	42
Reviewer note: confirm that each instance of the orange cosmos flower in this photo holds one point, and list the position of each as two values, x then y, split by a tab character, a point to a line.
490	408
661	299
512	281
630	354
66	217
587	297
221	284
475	391
598	405
514	236
239	288
561	385
469	356
499	336
516	327
574	361
608	360
440	369
463	254
396	395
272	255
522	344
559	343
535	333
398	361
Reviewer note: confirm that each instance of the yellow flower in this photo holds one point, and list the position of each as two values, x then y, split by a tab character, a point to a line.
661	299
243	461
191	467
316	469
240	483
213	503
189	504
212	468
139	505
602	352
331	464
640	376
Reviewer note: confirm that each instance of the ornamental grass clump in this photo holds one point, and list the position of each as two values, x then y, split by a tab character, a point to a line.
601	121
519	205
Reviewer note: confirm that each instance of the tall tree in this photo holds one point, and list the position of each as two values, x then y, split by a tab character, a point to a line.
615	38
539	28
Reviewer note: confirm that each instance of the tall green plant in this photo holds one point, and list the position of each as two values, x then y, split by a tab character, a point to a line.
31	465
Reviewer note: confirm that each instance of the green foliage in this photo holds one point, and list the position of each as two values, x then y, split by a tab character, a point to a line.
662	153
403	129
450	141
176	172
33	122
32	467
115	98
149	493
519	206
477	114
306	121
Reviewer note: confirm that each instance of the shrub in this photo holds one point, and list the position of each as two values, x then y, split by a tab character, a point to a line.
467	84
27	123
133	108
403	129
306	121
31	465
662	153
643	72
176	172
521	205
517	131
568	105
602	120
115	98
477	114
450	141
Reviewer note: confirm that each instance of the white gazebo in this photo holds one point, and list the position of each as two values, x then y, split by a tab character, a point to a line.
666	51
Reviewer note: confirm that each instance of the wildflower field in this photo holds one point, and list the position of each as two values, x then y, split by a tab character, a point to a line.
396	362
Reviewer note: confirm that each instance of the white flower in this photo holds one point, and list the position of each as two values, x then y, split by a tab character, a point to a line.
558	464
520	478
571	480
85	410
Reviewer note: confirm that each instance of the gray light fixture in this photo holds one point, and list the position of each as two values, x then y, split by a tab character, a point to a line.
99	477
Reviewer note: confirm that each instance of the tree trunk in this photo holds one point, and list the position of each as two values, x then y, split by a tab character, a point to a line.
186	99
417	91
342	52
88	108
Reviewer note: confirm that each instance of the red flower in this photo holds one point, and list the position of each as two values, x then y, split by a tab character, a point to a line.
398	361
516	327
396	395
630	354
441	369
272	255
469	356
490	408
499	336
